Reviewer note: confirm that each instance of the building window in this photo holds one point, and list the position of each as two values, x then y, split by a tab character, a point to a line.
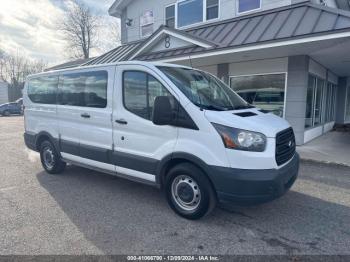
264	91
146	23
320	102
170	16
309	102
189	12
347	116
329	102
248	5
139	91
212	9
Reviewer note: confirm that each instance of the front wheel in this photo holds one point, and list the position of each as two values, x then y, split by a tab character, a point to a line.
50	159
189	191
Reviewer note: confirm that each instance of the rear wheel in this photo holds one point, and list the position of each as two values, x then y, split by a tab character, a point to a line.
50	159
6	113
189	191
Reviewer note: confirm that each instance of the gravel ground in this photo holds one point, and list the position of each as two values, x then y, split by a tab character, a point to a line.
85	212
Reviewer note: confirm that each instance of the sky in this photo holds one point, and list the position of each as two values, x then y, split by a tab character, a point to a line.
30	26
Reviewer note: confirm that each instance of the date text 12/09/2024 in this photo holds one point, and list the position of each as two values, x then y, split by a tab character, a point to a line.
173	258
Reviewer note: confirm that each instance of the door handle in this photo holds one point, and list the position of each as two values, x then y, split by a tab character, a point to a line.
121	121
85	115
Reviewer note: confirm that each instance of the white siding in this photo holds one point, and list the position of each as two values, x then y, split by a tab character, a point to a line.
317	69
135	10
266	66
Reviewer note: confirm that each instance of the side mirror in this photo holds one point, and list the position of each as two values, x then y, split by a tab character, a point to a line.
162	111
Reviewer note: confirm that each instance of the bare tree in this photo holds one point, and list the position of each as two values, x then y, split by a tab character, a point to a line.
2	57
14	68
80	29
109	35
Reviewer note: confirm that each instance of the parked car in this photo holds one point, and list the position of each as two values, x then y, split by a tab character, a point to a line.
14	108
20	103
173	127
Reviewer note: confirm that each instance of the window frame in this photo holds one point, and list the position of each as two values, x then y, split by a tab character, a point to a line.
263	74
332	113
206	11
347	105
175	12
204	15
141	26
249	11
329	111
60	84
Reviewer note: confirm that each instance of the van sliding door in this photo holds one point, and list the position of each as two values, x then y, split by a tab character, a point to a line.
85	112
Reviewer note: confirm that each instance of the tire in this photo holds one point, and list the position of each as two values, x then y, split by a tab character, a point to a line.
189	192
6	113
50	159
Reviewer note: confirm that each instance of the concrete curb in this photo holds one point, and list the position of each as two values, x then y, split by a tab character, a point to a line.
324	162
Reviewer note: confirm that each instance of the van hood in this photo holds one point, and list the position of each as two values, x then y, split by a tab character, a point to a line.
249	119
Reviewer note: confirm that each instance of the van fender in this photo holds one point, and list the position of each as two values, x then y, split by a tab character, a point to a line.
176	158
45	135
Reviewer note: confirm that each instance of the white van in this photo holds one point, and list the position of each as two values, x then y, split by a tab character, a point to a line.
180	129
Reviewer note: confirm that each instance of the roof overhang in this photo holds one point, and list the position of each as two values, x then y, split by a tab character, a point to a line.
331	51
117	7
288	43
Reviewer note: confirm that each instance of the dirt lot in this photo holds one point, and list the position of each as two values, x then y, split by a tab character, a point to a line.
85	212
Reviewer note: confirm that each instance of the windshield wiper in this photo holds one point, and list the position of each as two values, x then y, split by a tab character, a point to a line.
212	107
243	107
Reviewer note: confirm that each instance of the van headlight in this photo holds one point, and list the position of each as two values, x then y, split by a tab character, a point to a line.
239	139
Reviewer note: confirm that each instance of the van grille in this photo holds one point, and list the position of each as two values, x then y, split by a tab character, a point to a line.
285	146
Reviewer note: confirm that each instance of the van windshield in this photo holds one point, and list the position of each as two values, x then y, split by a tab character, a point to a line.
204	90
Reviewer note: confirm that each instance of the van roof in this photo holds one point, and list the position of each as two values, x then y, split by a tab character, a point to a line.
107	65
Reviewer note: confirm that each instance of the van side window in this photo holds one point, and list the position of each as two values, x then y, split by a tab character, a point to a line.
88	89
43	90
139	91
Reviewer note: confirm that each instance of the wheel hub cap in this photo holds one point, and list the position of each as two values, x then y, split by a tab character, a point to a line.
186	193
49	158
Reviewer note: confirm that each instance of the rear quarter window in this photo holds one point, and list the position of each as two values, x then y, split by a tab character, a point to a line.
43	90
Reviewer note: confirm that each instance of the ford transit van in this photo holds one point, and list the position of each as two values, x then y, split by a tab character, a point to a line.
174	127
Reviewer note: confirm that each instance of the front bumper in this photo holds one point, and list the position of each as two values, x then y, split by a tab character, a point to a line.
249	187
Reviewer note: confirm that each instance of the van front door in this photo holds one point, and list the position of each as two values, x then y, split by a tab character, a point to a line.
139	145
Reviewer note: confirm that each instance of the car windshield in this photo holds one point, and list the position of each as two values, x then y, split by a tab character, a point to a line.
204	90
